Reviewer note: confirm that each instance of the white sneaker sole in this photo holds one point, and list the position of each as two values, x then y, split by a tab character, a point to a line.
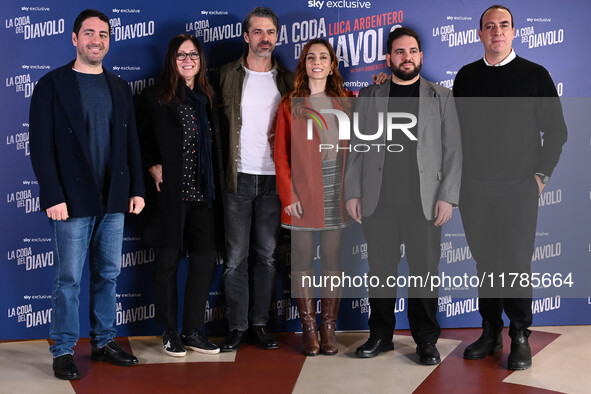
204	351
175	354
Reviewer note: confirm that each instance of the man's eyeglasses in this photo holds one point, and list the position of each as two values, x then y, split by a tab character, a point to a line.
181	56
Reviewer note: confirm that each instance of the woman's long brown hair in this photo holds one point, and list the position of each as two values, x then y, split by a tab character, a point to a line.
334	82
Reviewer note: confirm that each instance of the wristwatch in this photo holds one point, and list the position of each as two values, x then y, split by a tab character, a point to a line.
543	177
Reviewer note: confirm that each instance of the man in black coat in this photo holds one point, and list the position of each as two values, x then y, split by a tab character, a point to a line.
86	157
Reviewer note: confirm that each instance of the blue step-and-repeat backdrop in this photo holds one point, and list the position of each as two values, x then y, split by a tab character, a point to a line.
36	38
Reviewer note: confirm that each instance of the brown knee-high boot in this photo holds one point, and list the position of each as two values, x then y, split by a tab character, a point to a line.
304	297
331	300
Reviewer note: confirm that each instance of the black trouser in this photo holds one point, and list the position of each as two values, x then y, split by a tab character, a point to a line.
385	230
199	227
500	220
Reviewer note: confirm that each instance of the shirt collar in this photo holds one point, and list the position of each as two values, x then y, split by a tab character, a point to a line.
506	61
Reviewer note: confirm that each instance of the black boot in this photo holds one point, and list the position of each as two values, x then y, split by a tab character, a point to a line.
520	356
490	341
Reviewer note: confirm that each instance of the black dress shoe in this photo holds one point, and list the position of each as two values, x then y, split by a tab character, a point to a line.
491	341
520	356
233	341
64	367
428	354
263	338
373	347
114	354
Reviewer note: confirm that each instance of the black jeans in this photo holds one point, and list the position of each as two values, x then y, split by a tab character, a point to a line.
252	218
199	230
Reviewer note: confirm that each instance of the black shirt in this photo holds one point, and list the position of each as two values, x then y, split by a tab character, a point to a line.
400	180
190	191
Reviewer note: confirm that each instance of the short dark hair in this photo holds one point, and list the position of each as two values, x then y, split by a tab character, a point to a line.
400	32
496	7
261	12
89	13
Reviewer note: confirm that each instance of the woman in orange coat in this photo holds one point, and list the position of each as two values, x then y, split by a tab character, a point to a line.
309	181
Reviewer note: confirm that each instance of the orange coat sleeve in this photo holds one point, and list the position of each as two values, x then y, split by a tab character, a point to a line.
282	155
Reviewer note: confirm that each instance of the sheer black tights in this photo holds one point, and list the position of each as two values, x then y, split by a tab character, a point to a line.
303	250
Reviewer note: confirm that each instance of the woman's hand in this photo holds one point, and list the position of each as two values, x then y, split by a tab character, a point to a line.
295	209
380	78
156	172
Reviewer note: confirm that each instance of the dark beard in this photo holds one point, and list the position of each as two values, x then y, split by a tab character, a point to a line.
404	75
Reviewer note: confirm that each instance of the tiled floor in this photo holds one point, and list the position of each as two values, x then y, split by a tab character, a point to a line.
562	356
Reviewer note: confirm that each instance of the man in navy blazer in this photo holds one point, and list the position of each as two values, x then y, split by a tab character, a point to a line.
405	191
85	154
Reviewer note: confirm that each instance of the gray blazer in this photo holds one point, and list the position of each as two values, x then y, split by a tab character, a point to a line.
439	150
